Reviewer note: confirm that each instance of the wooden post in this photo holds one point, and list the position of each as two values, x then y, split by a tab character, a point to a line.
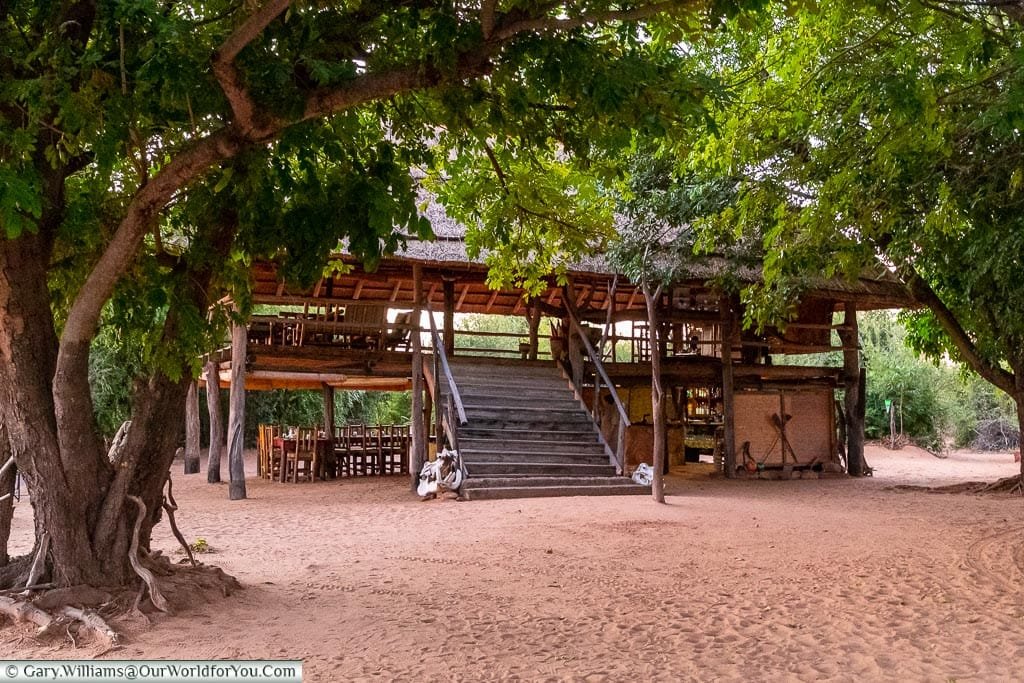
212	373
192	430
534	328
236	413
418	446
728	415
853	395
428	409
449	317
328	392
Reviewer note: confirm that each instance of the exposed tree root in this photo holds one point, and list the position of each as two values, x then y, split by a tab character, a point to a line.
155	596
170	507
94	623
19	610
1014	484
39	563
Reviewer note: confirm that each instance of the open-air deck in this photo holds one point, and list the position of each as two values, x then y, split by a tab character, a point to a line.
578	362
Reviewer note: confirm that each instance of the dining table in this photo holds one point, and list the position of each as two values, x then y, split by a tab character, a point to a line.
326	463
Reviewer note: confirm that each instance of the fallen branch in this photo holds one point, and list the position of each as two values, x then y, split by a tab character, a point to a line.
155	596
93	622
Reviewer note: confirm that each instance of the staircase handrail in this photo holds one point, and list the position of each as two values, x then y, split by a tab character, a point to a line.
602	375
599	366
438	344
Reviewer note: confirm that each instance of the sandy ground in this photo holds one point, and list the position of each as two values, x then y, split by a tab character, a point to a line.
746	580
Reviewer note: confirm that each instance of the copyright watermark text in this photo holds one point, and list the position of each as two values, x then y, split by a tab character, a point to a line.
169	671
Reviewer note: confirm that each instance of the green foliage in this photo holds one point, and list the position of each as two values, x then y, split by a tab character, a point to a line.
660	208
874	136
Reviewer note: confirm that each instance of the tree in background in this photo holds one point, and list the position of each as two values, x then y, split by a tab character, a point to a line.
884	132
654	246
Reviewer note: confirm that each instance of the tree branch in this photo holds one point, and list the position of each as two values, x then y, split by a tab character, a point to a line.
923	292
247	114
487	18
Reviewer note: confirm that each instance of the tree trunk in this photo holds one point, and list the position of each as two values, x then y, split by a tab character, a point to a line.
853	400
657	393
417	440
236	413
192	428
216	428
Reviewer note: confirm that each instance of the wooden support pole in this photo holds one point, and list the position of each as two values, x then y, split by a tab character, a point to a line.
328	392
428	409
236	413
192	430
854	399
728	413
417	447
449	317
534	328
216	423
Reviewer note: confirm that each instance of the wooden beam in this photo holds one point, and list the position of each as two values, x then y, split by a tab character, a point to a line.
316	290
462	296
328	393
236	413
394	293
430	294
418	445
490	302
280	288
728	408
192	430
359	289
449	317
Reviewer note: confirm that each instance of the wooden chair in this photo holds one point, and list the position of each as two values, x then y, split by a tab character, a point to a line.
275	462
367	325
270	456
262	454
398	336
304	461
359	453
342	459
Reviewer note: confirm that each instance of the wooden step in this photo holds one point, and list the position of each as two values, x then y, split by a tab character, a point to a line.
533	468
481	431
532	404
525	424
471	456
497	493
585	444
491	482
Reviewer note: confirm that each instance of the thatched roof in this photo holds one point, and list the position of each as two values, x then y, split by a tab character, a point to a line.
880	289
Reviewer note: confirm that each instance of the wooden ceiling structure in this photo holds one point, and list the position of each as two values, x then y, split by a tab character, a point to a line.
392	283
451	283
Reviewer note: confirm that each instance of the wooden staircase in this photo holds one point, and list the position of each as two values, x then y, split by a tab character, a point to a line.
527	435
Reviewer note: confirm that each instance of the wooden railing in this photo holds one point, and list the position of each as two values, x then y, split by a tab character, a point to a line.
600	375
453	409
